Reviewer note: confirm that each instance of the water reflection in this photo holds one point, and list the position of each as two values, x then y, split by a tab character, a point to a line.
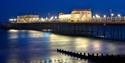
39	47
35	34
13	34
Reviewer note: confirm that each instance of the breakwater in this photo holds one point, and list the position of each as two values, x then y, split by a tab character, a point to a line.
97	57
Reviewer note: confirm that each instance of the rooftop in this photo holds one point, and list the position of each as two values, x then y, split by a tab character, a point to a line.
82	10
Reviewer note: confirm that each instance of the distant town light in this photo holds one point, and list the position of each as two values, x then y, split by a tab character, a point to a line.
11	20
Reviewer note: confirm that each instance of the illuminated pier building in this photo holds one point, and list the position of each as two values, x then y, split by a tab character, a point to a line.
27	18
64	17
81	15
77	16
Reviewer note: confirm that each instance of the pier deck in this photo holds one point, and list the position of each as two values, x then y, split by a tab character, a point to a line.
105	29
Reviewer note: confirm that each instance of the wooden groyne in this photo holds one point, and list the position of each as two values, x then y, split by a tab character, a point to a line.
94	56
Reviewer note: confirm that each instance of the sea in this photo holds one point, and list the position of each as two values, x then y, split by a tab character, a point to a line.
30	46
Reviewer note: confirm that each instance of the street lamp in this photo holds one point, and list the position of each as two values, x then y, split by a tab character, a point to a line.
55	17
119	15
52	17
97	16
104	16
46	18
93	16
112	14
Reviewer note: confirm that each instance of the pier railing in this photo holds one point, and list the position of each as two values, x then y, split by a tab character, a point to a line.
111	19
92	20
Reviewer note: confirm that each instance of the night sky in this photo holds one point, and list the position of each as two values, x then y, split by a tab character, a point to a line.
12	8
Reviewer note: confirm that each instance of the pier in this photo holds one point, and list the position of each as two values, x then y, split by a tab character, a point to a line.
80	22
112	30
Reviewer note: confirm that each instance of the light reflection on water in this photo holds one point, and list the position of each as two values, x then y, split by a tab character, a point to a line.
38	47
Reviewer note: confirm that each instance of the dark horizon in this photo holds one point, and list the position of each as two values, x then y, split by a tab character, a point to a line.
13	8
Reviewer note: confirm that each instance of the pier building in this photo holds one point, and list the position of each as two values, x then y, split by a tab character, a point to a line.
27	18
81	15
64	17
78	15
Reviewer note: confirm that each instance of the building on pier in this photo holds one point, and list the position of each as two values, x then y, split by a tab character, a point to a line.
81	15
27	18
64	17
77	16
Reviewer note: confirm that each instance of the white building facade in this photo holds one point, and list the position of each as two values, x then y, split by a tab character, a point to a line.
77	16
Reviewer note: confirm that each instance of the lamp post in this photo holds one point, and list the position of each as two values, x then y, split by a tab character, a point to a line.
112	14
105	17
119	17
97	17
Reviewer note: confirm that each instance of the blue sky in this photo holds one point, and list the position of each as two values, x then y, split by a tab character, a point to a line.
11	8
